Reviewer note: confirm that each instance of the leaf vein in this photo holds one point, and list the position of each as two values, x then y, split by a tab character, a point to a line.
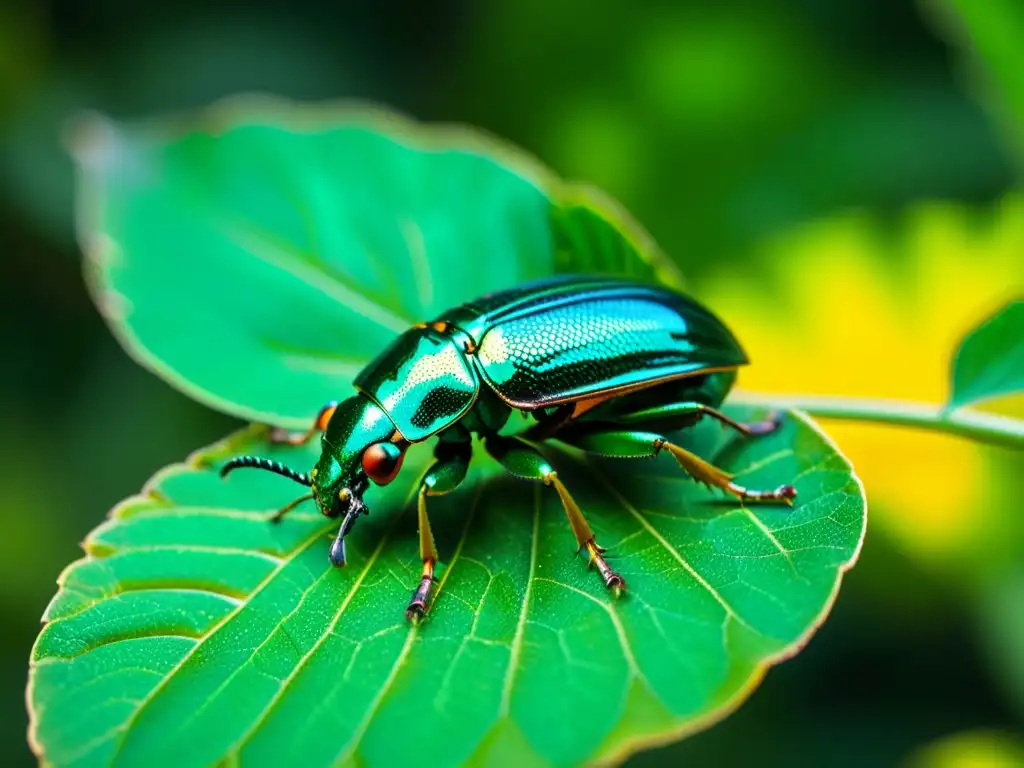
517	640
364	724
775	542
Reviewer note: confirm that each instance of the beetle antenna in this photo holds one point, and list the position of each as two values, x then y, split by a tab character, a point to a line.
256	462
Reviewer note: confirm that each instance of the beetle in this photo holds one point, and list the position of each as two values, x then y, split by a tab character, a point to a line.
605	365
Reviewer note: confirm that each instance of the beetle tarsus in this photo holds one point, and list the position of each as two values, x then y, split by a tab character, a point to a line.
704	472
418	604
784	494
612	579
765	426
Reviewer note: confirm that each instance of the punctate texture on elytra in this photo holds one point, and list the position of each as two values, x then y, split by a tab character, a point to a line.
194	627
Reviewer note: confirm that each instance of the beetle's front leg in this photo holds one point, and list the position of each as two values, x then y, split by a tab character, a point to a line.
524	461
630	445
444	476
281	435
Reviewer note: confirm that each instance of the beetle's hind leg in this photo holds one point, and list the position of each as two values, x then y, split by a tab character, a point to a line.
676	415
526	462
280	435
630	445
672	405
445	475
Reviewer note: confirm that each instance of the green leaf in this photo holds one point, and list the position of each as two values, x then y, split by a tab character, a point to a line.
258	255
990	361
194	627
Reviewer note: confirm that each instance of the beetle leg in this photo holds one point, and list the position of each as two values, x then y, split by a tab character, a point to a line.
280	435
428	553
676	412
629	445
709	474
526	462
278	516
446	474
764	426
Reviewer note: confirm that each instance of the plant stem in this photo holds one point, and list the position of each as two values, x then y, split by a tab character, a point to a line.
963	422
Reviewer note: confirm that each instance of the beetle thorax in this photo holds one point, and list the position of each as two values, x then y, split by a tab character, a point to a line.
356	424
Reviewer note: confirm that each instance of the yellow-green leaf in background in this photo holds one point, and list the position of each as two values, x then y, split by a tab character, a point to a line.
990	361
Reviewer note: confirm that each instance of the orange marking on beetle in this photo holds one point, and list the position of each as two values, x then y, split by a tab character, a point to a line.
324	418
582	406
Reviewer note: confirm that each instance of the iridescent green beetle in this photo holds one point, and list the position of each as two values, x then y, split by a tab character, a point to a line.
605	365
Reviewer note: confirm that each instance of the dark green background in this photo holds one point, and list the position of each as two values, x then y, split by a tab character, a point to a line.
716	124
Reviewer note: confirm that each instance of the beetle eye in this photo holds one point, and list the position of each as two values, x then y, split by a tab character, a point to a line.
381	462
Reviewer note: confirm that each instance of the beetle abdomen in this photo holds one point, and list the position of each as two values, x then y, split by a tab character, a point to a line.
614	337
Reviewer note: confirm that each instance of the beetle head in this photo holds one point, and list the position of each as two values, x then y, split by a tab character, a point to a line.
359	445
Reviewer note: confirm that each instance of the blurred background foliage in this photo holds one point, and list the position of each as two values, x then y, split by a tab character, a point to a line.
835	178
